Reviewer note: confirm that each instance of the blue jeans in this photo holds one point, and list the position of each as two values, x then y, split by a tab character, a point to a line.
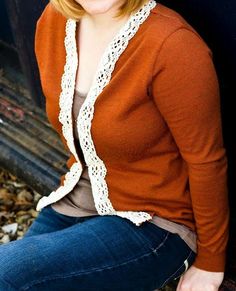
100	253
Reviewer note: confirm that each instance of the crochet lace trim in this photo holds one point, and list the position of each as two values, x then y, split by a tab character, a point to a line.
96	167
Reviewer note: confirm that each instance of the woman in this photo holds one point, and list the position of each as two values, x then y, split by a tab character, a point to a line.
131	88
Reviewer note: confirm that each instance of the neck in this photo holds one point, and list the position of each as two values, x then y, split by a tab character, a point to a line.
105	20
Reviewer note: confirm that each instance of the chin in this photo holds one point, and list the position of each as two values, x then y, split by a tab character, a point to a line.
98	7
95	11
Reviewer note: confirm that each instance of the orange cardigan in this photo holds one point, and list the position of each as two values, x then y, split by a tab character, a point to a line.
150	127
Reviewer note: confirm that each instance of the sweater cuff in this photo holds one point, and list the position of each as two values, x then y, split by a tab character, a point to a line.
208	261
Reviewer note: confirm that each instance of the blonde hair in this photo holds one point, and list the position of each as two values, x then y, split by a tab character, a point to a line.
72	9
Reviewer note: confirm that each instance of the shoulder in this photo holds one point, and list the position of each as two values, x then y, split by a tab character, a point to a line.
50	15
50	24
167	19
49	48
166	23
50	33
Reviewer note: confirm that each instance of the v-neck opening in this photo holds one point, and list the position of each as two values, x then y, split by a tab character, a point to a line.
77	46
77	32
105	68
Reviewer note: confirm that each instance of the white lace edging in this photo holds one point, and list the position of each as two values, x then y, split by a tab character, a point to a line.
71	179
96	167
68	85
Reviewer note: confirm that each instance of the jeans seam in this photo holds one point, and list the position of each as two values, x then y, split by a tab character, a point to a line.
186	260
54	277
154	250
163	284
9	284
166	233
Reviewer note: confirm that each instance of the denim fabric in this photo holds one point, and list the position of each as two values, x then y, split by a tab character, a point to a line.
110	253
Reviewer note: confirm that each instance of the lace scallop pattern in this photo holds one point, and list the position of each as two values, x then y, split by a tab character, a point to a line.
68	85
71	179
96	167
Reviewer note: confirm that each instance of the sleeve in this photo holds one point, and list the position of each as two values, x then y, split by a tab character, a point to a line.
50	34
39	39
185	89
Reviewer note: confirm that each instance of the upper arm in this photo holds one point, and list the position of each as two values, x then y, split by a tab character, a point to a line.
186	91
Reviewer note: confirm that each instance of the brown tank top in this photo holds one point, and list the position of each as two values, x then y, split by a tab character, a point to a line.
79	202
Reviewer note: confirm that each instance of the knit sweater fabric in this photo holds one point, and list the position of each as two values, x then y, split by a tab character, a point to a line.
79	202
150	128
